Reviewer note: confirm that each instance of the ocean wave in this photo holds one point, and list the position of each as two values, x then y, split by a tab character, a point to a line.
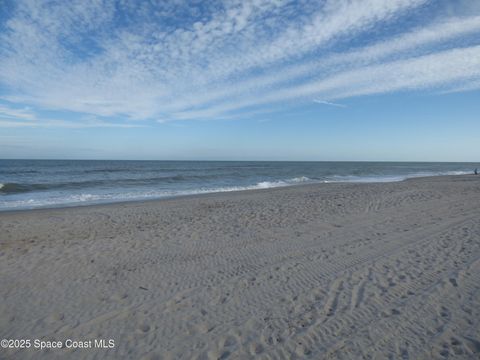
14	188
89	198
277	183
22	172
89	195
388	178
104	171
203	179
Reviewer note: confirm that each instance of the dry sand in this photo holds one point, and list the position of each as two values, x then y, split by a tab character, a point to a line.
334	271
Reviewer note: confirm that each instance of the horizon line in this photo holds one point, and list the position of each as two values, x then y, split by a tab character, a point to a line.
218	160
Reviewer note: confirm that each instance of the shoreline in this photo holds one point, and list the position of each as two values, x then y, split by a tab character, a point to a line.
384	270
219	193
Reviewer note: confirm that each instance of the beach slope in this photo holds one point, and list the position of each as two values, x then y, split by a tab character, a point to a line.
331	271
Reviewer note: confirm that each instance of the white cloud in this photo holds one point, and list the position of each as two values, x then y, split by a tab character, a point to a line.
13	113
174	61
468	85
400	46
13	117
6	123
428	71
324	102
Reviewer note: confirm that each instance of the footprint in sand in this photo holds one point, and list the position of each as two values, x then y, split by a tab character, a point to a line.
143	328
256	349
453	282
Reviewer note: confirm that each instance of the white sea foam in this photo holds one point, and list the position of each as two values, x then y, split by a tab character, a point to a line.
300	179
61	200
87	198
1	185
388	178
279	183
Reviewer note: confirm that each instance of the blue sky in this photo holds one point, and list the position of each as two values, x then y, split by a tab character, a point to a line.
240	80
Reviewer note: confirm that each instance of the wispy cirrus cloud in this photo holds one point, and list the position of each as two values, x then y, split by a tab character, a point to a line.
11	117
226	59
16	114
330	103
46	123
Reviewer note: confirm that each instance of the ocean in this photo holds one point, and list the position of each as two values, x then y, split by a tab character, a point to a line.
29	184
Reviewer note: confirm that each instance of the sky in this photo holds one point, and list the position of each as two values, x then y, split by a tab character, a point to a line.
395	80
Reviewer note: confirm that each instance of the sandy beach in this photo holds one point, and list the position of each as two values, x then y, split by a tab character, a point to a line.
330	271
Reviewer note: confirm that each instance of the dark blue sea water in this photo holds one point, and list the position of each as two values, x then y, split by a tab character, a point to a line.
26	184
